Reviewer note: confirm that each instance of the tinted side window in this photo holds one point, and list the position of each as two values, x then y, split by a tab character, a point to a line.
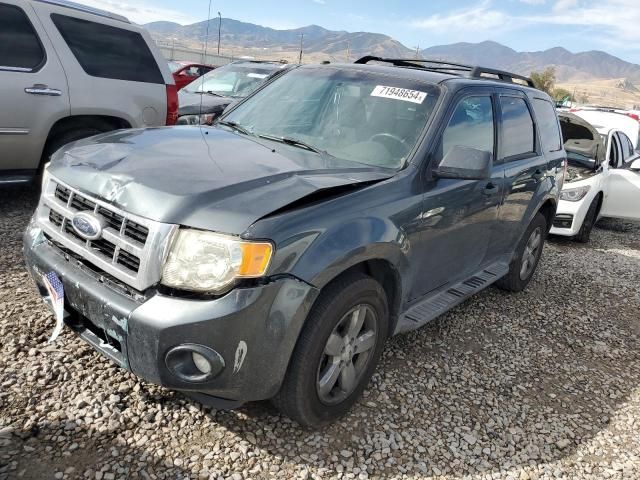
517	127
471	125
627	147
108	52
548	125
19	43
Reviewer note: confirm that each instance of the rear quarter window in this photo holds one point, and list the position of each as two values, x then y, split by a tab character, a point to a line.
20	46
547	125
108	52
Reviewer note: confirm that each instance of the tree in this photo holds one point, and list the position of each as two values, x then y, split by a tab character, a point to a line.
545	80
562	94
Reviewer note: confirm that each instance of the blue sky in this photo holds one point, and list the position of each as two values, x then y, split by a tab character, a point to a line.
525	25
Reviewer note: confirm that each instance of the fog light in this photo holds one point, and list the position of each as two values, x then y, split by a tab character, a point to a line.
194	363
201	363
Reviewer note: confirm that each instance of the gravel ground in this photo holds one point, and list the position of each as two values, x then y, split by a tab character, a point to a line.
543	384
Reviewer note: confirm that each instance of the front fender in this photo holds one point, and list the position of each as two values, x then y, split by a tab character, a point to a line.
338	249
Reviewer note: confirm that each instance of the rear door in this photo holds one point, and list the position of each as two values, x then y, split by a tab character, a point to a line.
111	65
525	167
33	88
623	182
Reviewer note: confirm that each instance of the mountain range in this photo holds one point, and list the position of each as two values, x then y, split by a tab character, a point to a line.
322	44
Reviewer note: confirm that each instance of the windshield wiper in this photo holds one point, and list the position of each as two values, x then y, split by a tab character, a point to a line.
294	142
236	126
209	92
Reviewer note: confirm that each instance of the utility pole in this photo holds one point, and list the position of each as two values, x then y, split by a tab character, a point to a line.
348	50
219	29
301	38
418	52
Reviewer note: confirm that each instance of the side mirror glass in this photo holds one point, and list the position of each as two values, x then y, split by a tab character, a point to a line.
465	163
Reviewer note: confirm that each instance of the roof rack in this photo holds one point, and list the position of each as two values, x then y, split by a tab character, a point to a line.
460	69
86	9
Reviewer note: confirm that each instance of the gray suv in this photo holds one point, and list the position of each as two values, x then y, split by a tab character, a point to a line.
272	254
67	72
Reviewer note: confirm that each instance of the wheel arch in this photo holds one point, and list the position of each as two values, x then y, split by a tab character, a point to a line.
66	124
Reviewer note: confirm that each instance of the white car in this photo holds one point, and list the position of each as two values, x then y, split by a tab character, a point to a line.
603	175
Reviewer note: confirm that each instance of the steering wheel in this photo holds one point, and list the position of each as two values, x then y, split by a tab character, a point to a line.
385	137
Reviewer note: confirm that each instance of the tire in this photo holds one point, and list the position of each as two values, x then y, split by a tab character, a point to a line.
589	221
518	278
307	395
72	135
68	136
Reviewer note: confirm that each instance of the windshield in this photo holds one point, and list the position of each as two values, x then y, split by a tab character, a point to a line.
232	80
350	114
174	67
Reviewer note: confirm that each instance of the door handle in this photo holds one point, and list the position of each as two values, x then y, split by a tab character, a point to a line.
40	89
538	175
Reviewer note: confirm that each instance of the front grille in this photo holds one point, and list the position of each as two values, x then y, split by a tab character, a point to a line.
130	248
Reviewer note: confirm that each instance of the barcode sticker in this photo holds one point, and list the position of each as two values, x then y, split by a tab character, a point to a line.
396	93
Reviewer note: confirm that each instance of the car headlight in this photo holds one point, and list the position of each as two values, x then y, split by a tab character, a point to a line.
574	194
209	262
204	119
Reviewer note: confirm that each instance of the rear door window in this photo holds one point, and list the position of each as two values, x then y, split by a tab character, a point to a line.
20	47
548	125
108	52
518	134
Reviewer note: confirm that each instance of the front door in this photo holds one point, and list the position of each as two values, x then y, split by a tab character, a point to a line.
623	183
459	216
33	88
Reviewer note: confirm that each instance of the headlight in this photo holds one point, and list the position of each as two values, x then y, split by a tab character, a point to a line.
208	262
574	194
204	119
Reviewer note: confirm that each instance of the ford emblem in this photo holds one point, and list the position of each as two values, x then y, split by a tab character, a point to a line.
87	225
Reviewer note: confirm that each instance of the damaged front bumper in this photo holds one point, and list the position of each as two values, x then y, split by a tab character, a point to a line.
252	331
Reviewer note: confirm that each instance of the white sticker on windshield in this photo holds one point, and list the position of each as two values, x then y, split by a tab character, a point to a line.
399	94
257	75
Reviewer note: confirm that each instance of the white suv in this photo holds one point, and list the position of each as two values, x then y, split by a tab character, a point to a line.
67	72
603	177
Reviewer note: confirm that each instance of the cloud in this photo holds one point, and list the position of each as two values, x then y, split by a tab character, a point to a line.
479	18
611	22
140	11
320	2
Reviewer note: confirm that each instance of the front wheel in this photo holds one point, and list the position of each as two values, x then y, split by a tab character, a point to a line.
584	234
337	351
527	256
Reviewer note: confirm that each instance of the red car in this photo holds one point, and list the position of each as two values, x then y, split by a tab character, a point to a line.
186	72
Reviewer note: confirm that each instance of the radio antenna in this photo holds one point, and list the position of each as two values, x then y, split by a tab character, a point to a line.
204	59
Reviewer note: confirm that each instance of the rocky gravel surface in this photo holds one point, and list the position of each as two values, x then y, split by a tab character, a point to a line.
542	384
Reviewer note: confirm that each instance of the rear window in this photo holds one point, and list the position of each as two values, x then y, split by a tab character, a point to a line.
517	128
109	52
548	125
20	47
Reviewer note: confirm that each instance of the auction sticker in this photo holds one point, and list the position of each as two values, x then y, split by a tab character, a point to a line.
396	93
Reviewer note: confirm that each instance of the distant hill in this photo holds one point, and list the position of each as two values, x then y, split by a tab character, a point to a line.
323	44
569	66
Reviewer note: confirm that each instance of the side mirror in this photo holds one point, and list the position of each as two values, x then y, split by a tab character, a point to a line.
635	165
465	163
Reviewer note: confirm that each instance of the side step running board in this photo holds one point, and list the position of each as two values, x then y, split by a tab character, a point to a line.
443	300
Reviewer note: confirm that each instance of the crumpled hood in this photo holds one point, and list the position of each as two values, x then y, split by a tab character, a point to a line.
189	103
207	178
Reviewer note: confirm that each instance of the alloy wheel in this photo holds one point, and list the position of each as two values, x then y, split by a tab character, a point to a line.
530	254
346	354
